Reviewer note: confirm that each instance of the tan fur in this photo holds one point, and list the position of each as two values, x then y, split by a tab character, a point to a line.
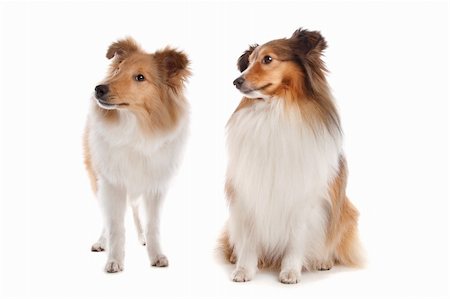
110	116
226	248
229	190
155	101
134	136
227	251
88	161
122	48
342	233
280	76
296	75
246	102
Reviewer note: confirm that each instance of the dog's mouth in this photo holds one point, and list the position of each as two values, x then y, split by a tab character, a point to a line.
109	106
249	91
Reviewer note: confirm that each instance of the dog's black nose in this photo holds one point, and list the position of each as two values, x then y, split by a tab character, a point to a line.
238	82
101	91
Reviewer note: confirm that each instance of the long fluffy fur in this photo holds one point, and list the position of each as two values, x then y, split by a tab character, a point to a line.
287	173
132	150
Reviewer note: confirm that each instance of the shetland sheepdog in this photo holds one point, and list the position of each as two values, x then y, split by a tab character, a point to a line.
134	136
287	172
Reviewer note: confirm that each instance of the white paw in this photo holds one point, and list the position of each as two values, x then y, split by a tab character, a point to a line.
113	266
290	276
97	247
323	266
160	261
241	275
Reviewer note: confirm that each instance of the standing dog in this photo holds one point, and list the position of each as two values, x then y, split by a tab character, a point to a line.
134	135
287	172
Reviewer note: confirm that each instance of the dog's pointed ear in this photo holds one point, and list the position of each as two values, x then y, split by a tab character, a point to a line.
174	65
122	48
308	47
243	61
309	42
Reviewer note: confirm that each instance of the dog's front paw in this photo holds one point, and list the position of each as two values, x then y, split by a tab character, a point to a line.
290	276
241	275
160	261
113	266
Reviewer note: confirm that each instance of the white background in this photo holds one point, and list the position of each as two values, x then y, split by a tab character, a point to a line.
389	73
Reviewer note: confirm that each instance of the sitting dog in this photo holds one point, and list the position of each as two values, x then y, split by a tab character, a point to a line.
287	171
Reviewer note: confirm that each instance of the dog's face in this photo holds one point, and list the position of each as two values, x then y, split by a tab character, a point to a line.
137	80
131	82
271	69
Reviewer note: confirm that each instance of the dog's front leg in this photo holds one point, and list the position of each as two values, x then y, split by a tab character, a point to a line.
152	206
293	258
291	265
113	203
247	261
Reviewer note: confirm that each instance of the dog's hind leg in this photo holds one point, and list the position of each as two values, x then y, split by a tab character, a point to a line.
138	223
152	205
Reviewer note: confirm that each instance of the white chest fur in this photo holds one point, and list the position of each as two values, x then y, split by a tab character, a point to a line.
280	168
125	156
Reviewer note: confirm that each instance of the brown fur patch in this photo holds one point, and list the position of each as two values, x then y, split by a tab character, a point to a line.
230	192
156	101
110	116
174	67
245	102
226	248
122	48
88	161
342	233
296	74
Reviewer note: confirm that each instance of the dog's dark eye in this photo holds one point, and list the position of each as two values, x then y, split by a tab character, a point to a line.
267	59
139	77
